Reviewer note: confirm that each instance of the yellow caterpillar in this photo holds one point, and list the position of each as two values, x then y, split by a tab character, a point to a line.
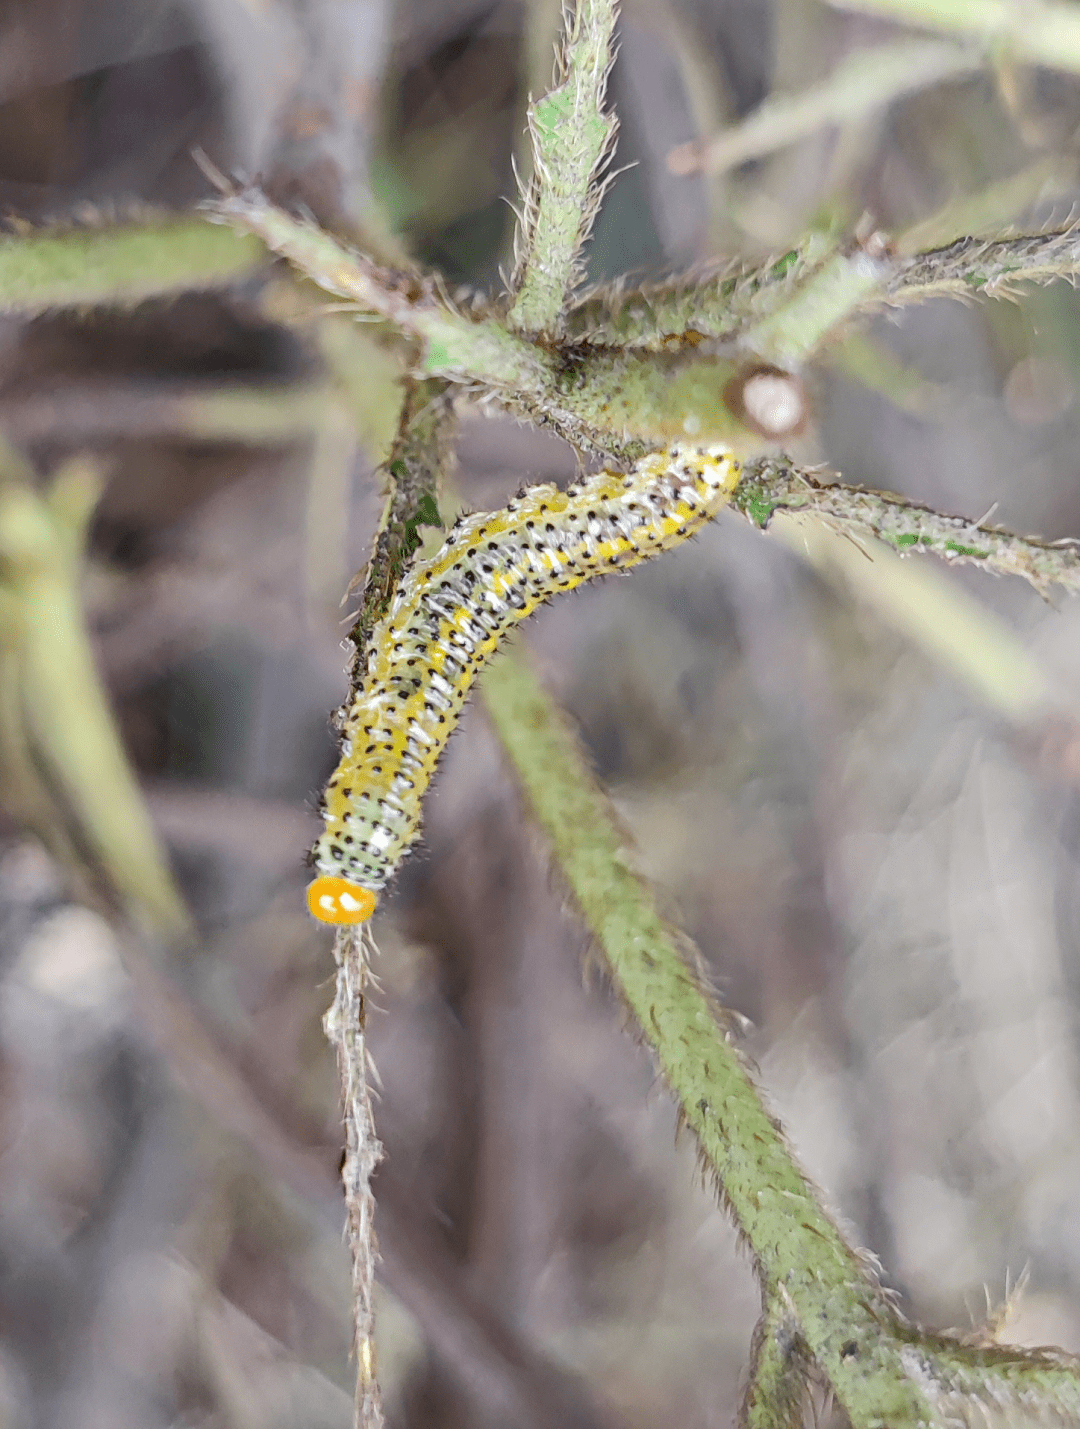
447	620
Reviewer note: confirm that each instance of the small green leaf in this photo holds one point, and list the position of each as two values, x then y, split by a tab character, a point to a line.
755	504
784	265
438	357
955	549
427	512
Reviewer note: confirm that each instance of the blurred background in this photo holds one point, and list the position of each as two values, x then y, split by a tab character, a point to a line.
879	866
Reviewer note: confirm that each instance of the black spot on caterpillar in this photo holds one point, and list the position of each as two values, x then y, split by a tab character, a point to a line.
447	620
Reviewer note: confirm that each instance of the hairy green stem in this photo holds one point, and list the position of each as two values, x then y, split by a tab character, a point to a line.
605	401
795	331
715	305
776	1387
120	265
781	312
454	344
418	458
826	1316
992	266
785	307
771	484
572	140
842	1315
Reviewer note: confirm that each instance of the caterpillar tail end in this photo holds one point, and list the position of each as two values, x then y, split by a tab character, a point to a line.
336	900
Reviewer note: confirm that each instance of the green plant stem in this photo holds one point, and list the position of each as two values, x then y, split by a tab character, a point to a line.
863	81
1041	33
825	1313
782	311
994	267
776	1388
608	402
796	330
61	724
772	484
716	305
122	265
979	1384
418	458
797	1249
784	308
452	342
572	140
463	347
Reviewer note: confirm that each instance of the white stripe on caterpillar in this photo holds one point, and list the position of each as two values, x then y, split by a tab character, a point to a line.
447	620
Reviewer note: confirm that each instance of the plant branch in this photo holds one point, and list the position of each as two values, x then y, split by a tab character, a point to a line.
421	453
980	1383
573	138
991	266
772	484
823	1302
847	281
121	265
794	1243
605	401
469	348
62	758
776	1387
234	1079
863	81
782	311
346	1028
786	307
1042	33
716	305
453	343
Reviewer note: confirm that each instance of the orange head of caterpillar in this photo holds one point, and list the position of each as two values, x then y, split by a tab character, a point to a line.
336	900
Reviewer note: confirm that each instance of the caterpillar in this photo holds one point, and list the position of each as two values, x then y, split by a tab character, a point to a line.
447	620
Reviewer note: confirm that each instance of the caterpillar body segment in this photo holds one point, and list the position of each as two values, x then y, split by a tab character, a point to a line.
447	620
